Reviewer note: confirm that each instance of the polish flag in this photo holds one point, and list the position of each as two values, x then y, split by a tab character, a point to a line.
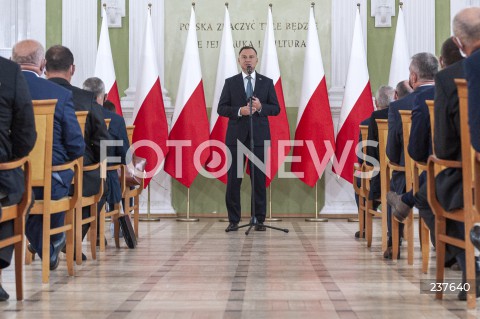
151	128
314	121
227	67
279	129
357	105
104	68
399	67
189	122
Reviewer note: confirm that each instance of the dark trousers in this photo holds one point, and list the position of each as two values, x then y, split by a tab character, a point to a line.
234	183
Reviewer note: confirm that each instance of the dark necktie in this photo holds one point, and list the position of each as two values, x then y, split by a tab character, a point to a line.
249	90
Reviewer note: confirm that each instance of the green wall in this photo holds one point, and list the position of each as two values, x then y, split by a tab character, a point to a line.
380	42
54	23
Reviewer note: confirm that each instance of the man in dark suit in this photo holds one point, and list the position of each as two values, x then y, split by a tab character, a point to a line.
118	132
384	96
17	138
60	69
68	143
233	103
423	68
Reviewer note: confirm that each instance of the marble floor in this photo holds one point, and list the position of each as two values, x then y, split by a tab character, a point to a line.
196	270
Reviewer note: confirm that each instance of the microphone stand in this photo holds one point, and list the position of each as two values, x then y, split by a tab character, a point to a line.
253	218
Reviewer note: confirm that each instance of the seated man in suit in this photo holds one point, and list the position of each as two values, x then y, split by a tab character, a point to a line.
60	68
68	143
385	95
17	139
423	68
118	132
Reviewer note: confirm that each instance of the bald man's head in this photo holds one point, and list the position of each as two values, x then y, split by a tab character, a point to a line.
29	52
466	28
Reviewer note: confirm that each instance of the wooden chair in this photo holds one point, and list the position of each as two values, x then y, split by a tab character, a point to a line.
16	213
370	212
90	201
361	190
115	213
412	183
133	193
465	214
41	159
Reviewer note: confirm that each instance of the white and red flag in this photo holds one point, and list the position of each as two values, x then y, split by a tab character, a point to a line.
314	132
227	67
357	105
104	68
279	129
399	67
189	128
151	129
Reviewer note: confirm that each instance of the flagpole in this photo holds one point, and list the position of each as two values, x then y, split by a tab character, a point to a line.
188	219
316	219
270	219
149	218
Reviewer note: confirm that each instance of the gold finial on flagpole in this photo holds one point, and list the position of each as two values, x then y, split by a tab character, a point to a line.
401	5
358	5
105	6
193	5
226	4
270	5
312	4
150	8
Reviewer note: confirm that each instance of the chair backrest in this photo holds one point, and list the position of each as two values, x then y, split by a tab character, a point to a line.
468	154
82	119
431	112
41	155
130	129
406	116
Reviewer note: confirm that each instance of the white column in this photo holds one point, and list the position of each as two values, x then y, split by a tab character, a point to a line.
161	184
38	23
343	21
339	194
79	34
420	25
137	13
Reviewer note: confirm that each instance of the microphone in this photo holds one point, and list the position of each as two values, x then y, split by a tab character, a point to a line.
249	69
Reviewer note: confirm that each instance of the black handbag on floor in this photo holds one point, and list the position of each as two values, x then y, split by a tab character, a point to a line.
127	230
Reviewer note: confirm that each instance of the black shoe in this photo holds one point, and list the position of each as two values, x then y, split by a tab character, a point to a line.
475	236
31	250
3	294
232	227
357	234
462	295
57	247
388	254
399	209
260	227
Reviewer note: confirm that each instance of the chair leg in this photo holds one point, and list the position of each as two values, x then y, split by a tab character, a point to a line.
470	271
70	239
361	217
46	248
440	247
410	239
19	226
78	236
102	229
137	214
395	241
93	231
425	245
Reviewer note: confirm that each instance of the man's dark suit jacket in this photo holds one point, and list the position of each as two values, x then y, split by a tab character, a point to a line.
68	143
420	143
375	185
95	131
447	136
118	131
395	136
472	74
17	139
233	97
